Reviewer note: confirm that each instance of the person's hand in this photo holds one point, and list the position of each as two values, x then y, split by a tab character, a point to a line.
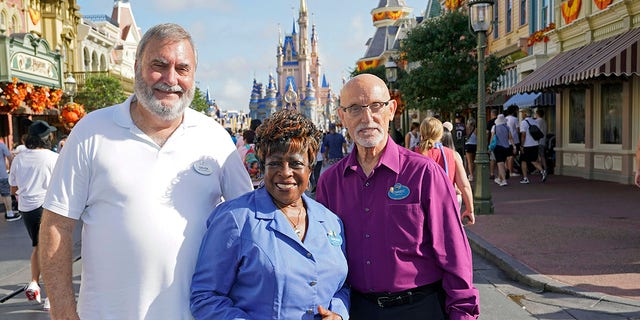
328	315
470	218
638	177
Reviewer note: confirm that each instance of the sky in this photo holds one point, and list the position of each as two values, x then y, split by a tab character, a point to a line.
237	39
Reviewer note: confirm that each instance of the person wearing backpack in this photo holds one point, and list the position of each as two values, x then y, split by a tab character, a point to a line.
529	146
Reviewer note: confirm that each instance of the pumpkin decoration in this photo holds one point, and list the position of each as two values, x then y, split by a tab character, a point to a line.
570	10
70	114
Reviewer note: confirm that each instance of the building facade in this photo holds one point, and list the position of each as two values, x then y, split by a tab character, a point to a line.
37	40
590	61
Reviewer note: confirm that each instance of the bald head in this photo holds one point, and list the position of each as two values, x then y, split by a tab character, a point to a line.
363	88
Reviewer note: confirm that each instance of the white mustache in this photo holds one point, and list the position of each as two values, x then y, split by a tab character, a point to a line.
168	88
368	126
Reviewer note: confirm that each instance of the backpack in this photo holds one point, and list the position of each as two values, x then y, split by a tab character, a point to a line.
535	131
251	163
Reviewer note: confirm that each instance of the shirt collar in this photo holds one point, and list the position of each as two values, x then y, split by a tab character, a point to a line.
267	210
389	158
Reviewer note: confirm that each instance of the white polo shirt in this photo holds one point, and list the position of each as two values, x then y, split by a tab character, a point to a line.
143	208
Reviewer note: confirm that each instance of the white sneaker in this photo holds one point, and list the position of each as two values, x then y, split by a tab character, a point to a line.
503	183
497	181
46	306
33	292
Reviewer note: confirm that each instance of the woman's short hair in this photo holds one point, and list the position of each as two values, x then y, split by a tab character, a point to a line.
430	132
287	131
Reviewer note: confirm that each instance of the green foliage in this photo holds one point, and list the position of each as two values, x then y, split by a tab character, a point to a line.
100	91
447	76
199	102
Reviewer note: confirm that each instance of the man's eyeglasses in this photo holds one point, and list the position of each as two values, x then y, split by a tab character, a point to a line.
356	110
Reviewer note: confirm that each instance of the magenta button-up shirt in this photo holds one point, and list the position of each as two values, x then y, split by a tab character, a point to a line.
402	227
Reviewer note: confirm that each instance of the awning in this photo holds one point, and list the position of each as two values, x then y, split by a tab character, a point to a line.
615	56
528	100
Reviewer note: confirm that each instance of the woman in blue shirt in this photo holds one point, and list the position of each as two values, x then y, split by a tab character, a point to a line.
274	253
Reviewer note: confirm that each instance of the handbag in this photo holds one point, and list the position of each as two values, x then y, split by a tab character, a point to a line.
493	143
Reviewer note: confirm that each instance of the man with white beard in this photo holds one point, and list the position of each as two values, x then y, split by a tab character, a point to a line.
407	251
142	177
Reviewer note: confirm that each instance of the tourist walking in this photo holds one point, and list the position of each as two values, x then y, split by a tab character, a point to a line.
29	178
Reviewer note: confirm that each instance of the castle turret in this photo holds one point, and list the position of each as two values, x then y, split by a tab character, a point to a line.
310	102
390	19
271	101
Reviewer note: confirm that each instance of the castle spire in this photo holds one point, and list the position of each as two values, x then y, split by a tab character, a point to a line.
303	6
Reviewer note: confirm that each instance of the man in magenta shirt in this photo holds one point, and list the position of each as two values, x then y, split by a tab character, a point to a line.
407	251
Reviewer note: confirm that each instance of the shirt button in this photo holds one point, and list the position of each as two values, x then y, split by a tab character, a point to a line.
368	262
308	254
309	311
366	236
312	283
366	184
366	209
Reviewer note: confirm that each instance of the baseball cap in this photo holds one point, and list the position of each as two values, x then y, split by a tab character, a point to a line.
41	129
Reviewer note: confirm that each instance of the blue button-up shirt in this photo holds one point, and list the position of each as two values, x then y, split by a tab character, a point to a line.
402	226
252	265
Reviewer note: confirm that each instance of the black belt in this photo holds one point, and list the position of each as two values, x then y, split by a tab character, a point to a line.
386	299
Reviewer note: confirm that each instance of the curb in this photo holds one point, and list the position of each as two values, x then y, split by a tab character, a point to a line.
522	273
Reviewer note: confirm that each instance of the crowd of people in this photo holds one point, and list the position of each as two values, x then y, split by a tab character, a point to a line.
181	222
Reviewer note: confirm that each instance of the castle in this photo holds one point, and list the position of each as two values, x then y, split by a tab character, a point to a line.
297	84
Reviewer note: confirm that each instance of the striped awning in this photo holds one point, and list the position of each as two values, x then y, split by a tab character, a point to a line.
615	56
528	100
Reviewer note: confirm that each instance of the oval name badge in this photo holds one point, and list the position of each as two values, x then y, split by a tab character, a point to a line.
334	239
202	167
398	192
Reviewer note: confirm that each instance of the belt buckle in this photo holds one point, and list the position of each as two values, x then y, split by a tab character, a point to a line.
382	300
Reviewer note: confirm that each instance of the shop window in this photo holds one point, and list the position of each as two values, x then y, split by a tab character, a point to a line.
576	116
611	113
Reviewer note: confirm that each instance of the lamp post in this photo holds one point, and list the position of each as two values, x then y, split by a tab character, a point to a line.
391	73
480	18
70	87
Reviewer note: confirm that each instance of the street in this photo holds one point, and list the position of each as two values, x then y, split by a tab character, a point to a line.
500	297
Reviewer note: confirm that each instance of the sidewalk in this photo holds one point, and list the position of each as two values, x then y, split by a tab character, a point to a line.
567	235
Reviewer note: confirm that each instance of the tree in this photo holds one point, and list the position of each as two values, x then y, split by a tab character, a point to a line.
100	91
447	76
199	102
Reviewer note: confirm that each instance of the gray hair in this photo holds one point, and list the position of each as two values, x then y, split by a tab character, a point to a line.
165	31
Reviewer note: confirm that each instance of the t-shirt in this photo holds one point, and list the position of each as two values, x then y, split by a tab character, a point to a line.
334	142
31	173
5	154
143	208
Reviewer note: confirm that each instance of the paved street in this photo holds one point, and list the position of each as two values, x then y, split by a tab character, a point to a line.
534	227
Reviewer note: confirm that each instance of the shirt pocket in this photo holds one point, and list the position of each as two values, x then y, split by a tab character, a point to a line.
404	225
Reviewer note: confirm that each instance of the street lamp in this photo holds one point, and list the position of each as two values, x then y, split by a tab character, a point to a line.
480	18
70	87
391	73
